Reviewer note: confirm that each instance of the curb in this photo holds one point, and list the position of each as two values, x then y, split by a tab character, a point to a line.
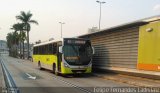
146	74
134	84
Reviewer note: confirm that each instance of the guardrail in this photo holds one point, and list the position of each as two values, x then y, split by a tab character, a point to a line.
10	86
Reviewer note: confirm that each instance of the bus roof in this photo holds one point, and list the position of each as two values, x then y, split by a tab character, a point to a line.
48	42
56	40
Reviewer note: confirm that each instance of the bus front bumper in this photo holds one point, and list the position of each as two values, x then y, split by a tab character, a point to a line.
66	70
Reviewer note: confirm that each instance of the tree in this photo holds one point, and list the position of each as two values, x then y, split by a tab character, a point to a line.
25	18
23	39
16	28
22	35
12	42
9	40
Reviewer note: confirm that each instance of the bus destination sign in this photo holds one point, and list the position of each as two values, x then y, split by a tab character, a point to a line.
78	42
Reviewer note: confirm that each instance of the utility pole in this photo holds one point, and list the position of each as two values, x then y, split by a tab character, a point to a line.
100	2
61	28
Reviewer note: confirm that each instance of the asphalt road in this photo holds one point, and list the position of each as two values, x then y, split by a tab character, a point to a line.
47	82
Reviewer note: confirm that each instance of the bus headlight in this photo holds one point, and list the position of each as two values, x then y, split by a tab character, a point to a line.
90	65
65	65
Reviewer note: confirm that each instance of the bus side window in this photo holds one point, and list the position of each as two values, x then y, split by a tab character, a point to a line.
46	50
42	49
38	50
54	48
50	49
34	50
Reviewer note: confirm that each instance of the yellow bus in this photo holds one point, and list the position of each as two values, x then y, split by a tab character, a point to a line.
64	56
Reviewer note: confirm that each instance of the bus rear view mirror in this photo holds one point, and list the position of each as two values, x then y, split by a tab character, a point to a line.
93	50
60	49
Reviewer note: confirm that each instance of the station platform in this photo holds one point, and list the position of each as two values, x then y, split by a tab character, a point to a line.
132	72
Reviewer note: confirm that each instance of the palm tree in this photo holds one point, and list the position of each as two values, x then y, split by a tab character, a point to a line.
9	42
26	19
16	36
23	37
12	42
19	27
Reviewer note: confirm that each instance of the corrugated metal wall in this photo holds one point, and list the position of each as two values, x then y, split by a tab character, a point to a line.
116	48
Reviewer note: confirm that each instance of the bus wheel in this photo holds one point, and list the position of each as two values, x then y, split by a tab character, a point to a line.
31	59
54	68
39	65
56	73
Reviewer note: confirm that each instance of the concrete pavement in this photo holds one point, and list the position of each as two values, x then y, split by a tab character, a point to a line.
49	83
131	80
103	79
134	72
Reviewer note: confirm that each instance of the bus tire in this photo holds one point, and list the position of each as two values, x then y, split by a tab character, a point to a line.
54	68
31	59
57	73
39	65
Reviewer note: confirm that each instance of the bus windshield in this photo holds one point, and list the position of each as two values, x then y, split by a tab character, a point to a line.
78	54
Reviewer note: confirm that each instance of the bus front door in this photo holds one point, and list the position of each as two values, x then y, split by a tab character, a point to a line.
59	55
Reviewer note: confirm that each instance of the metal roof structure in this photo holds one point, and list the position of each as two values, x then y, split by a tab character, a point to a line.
126	25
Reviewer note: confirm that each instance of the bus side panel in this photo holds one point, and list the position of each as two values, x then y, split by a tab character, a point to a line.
35	58
50	60
46	60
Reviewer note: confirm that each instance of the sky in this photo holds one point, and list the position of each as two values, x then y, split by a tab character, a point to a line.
78	15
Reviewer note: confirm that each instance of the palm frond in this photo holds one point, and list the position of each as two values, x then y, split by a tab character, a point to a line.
33	21
25	18
21	18
23	14
29	15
